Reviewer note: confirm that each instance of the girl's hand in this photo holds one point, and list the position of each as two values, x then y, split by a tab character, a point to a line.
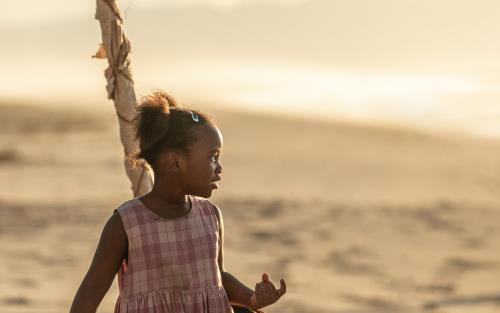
265	292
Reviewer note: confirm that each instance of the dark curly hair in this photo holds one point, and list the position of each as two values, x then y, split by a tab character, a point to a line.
162	124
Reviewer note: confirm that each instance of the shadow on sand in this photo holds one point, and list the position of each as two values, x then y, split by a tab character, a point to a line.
464	301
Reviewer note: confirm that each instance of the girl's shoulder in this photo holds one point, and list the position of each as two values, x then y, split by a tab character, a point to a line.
128	206
206	205
201	202
131	213
210	209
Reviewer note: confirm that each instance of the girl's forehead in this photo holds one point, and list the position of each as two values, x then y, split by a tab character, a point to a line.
209	137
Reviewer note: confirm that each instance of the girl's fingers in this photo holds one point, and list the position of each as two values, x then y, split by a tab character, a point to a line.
265	297
258	292
282	289
270	292
269	288
266	277
266	293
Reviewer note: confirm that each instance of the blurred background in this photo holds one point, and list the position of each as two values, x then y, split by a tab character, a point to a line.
361	145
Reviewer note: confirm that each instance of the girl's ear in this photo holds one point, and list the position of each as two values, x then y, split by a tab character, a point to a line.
170	161
175	161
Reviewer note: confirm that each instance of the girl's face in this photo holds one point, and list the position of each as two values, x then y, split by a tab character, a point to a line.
203	166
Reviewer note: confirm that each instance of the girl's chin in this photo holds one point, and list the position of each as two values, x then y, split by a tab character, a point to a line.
210	191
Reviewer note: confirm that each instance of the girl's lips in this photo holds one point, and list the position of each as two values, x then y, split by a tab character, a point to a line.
215	184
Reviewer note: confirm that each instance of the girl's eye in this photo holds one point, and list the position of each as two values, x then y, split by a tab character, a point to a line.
213	157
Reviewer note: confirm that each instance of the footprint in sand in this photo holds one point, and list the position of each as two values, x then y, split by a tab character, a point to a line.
285	238
355	260
272	209
16	301
375	303
437	288
24	282
458	265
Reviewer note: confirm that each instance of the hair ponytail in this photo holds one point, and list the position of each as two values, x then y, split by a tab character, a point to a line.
162	123
153	119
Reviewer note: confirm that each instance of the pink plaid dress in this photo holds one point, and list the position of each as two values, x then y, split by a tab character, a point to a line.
172	262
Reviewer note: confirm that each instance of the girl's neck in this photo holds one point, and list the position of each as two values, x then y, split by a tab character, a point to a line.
167	198
167	207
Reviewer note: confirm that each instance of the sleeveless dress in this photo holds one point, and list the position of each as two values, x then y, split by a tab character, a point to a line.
172	262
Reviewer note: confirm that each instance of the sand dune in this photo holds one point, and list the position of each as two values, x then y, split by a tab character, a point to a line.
356	218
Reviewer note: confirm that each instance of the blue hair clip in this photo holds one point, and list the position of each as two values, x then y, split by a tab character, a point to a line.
195	117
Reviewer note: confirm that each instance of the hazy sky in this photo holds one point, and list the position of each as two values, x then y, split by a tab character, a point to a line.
429	63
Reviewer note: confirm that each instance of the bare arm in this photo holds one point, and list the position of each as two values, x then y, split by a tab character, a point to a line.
110	252
238	294
236	291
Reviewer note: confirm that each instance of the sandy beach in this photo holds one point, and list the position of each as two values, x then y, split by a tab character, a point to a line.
357	219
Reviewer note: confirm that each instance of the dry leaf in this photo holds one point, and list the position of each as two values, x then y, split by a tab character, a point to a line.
101	52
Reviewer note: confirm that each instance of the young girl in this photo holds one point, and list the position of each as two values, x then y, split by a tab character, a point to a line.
167	246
